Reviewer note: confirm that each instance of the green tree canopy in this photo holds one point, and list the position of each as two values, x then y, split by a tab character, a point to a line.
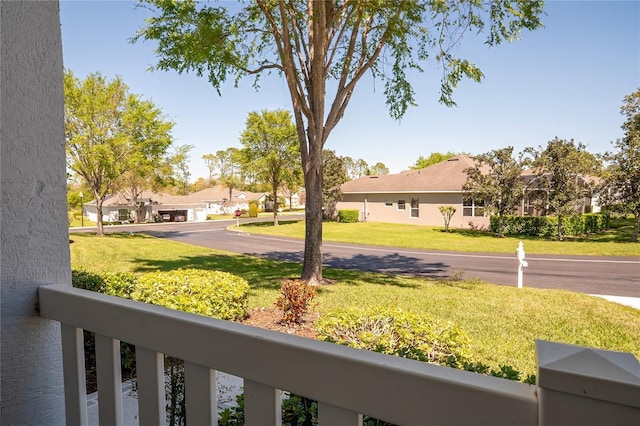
271	149
433	158
379	169
335	174
323	49
621	186
355	168
563	178
109	133
496	180
179	160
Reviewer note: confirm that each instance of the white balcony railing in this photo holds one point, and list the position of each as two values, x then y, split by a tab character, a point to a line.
346	382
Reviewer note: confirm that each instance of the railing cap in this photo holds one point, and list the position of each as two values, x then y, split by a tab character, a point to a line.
588	372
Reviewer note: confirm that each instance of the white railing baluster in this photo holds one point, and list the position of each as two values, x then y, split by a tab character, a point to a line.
200	394
330	415
75	386
341	376
150	377
109	380
262	404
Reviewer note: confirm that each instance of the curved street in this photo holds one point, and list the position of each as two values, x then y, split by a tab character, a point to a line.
616	276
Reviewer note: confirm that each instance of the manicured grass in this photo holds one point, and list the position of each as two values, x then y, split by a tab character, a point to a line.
75	223
502	322
613	242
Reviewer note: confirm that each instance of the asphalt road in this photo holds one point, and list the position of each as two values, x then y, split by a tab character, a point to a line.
618	276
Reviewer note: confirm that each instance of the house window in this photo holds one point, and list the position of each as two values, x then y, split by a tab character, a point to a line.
471	207
388	203
123	215
415	207
400	204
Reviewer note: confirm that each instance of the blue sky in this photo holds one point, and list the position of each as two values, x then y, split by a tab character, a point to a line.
567	80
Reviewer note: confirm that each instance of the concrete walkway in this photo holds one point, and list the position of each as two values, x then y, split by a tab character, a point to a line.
629	301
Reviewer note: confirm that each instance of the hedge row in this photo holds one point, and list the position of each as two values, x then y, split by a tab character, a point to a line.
210	293
348	216
545	226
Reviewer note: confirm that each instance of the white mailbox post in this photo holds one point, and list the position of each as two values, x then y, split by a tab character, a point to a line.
521	263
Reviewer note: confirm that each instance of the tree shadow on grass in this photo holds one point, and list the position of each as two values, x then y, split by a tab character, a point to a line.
266	272
390	269
259	273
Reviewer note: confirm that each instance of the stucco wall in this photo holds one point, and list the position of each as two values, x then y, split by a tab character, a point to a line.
377	211
33	232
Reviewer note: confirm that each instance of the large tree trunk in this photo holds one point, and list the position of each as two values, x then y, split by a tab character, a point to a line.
312	266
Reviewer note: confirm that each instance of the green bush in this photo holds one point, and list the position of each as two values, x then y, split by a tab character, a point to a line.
348	216
253	210
119	284
545	226
396	332
214	294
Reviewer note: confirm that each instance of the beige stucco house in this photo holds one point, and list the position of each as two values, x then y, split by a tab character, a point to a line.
414	196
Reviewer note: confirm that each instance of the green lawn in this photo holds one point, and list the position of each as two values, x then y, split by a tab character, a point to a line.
612	242
502	322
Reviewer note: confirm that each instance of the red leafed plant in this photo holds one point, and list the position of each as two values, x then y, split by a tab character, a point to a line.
295	300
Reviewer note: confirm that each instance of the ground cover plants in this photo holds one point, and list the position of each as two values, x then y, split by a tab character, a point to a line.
502	323
614	241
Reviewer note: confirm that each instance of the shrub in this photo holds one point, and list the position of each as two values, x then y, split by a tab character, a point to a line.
545	226
295	300
119	284
253	210
396	332
214	294
348	216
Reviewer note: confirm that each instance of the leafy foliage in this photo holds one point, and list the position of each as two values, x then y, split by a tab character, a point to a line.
447	214
563	178
210	293
545	226
334	175
295	300
396	332
348	215
496	180
271	150
110	133
621	186
323	47
120	284
434	158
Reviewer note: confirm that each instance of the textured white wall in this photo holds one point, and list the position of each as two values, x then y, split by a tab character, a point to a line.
34	229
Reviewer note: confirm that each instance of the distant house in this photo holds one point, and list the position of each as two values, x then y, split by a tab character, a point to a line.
173	208
414	196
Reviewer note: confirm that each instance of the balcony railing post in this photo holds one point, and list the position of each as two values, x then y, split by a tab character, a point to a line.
262	404
75	387
586	386
150	376
109	378
200	394
330	415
